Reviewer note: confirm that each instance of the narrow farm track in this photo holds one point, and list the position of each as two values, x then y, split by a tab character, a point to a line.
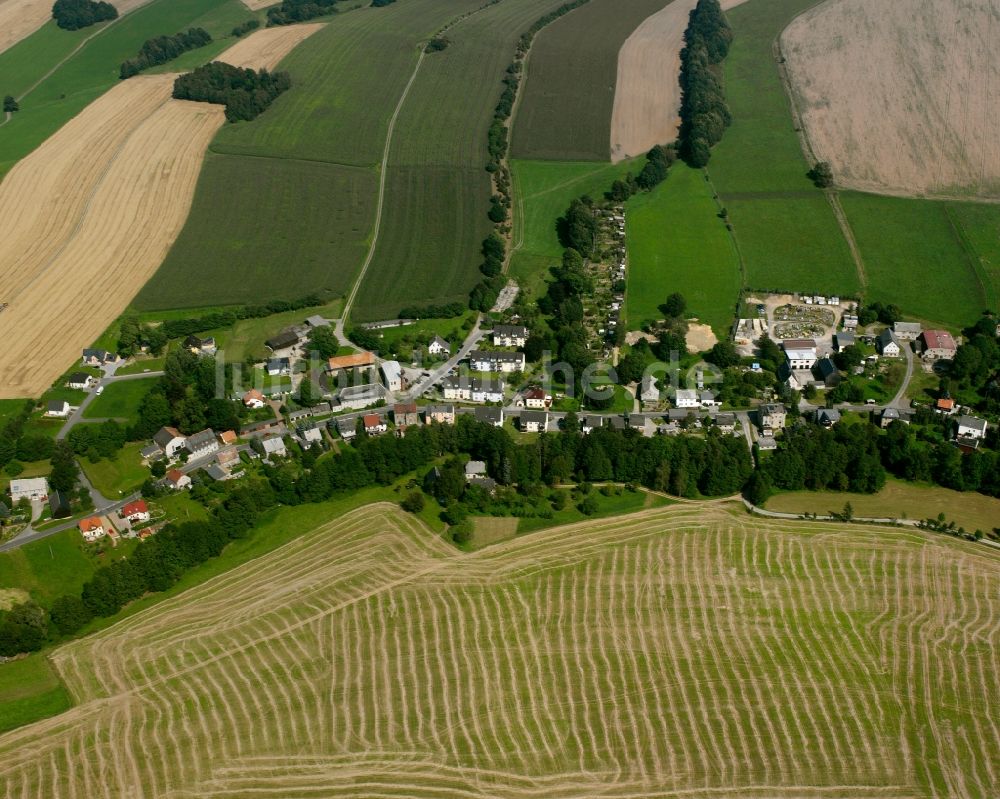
689	651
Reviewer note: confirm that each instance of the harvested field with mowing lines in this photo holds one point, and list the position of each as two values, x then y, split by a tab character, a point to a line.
91	216
686	651
267	47
434	225
677	242
901	97
786	229
565	110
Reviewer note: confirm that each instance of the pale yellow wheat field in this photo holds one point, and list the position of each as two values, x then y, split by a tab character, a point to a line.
21	18
901	97
647	93
678	652
90	215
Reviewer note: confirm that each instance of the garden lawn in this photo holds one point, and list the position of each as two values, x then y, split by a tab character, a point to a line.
915	257
677	242
118	476
120	400
787	232
899	500
543	191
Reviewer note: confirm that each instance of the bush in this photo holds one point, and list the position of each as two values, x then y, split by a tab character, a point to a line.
822	175
162	49
437	44
292	11
413	502
245	27
71	15
10	105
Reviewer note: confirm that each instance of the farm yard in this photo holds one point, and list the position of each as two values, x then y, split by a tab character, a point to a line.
876	87
847	681
677	242
49	101
567	98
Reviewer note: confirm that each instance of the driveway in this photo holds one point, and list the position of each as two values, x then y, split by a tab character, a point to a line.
438	373
108	378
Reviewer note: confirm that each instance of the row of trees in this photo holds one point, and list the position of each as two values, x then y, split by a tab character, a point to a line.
246	93
72	15
704	113
433	311
292	11
161	49
654	171
245	27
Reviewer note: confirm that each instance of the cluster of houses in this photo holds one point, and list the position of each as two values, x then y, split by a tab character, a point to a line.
224	464
133	521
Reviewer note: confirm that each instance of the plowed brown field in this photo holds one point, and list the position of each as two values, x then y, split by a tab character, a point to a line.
647	92
690	651
901	97
90	215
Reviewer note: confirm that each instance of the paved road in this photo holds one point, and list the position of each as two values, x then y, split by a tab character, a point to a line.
29	534
899	401
438	373
107	379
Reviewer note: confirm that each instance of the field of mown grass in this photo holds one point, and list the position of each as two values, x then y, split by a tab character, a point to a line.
94	69
437	189
787	231
118	476
915	256
120	400
898	500
677	651
266	228
30	690
677	242
543	191
565	109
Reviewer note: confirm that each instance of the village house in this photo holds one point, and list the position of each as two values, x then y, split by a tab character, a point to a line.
767	443
59	505
253	399
316	320
202	444
534	422
176	479
274	447
590	422
643	423
649	392
772	417
537	399
169	440
475	389
393	375
510	336
217	472
887	345
490	415
278	366
827	417
58	409
843	339
707	400
800	353
92	357
826	372
686	398
358	397
945	405
442	414
405	414
356	360
283	342
200	346
227	458
32	488
475	469
227	437
346	427
79	380
970	428
850	321
439	347
308	434
890	415
135	512
496	361
91	528
906	331
936	344
375	425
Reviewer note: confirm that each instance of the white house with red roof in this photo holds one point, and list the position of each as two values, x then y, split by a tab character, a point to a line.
91	528
135	512
176	479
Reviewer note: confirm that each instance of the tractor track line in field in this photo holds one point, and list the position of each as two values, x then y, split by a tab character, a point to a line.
848	233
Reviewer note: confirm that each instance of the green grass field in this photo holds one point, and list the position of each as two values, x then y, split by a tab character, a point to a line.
30	690
92	70
647	640
437	189
120	400
543	191
119	476
677	242
787	232
898	500
565	108
915	256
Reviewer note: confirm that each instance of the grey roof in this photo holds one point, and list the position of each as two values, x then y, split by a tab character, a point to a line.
887	336
78	377
346	425
272	445
199	440
317	321
725	419
57	405
515	331
825	367
103	355
165	435
286	338
845	338
538	417
216	472
152	451
973	422
591	420
616	422
486	483
831	415
441	342
278	363
473	468
772	407
496	355
907	327
491	415
432	410
890	413
370	391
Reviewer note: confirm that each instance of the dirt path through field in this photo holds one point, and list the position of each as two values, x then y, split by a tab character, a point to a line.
90	215
901	97
647	93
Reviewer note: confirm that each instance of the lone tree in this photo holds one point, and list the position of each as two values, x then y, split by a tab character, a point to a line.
10	105
675	306
822	175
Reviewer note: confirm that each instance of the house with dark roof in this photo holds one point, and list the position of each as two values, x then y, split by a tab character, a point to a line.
534	421
509	335
79	380
826	372
95	357
887	345
283	340
57	409
490	415
346	427
202	443
827	417
438	347
170	440
278	366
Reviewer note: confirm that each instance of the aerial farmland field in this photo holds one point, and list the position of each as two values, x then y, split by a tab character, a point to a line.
568	96
680	651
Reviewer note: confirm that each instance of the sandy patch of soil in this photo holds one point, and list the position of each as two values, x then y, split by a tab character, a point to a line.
699	338
902	96
264	49
647	93
256	5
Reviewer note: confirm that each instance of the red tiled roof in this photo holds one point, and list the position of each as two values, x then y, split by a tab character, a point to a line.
93	523
405	407
350	361
228	437
139	506
174	475
946	403
372	420
253	394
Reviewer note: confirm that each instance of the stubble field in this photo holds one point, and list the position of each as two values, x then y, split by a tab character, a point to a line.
685	651
21	18
92	213
901	97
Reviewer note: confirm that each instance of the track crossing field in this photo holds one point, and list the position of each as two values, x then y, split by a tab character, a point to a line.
684	651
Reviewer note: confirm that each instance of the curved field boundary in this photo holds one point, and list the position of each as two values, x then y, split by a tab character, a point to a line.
20	18
92	212
689	651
